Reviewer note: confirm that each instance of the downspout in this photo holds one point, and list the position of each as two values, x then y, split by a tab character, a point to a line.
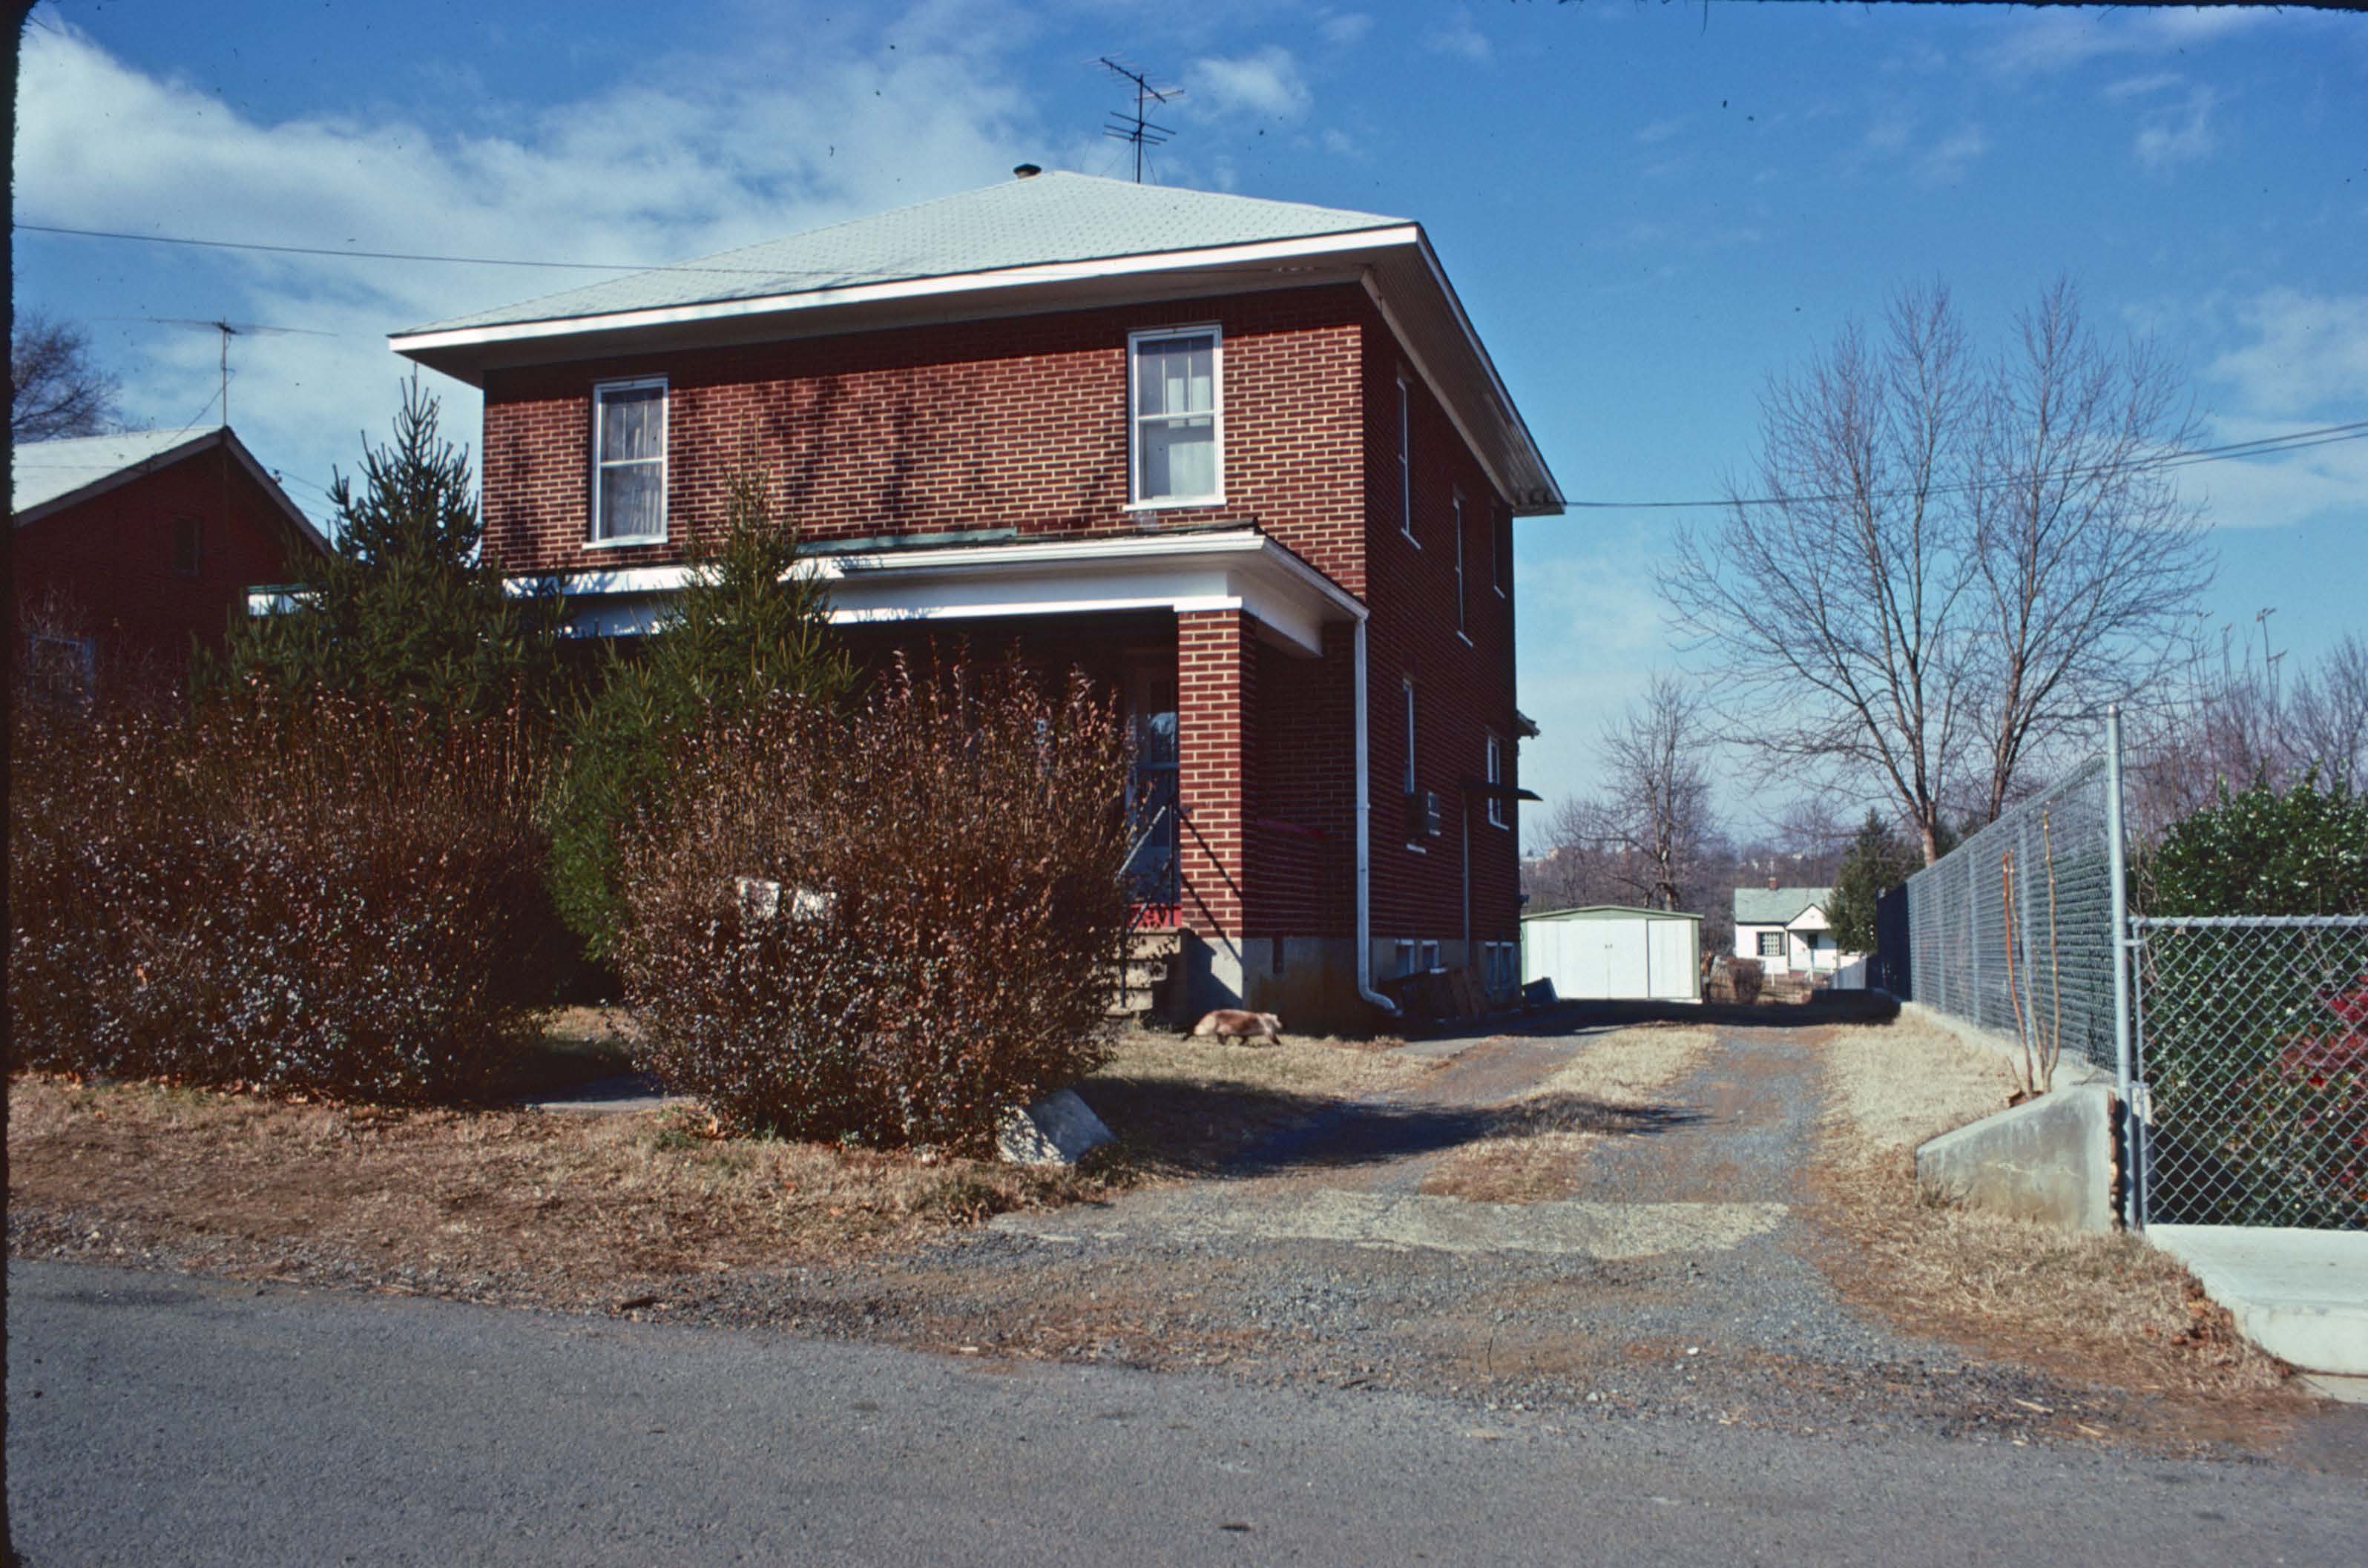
1365	839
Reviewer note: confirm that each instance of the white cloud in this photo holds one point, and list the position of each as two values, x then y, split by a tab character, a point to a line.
1346	27
2308	355
2178	134
1661	130
2059	40
2143	87
1458	37
2304	364
1948	159
696	156
1267	82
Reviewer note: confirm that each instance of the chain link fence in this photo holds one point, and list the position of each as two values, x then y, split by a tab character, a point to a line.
2253	1054
2013	929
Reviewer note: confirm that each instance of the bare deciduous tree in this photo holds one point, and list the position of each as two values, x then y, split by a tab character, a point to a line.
54	387
1641	840
1942	567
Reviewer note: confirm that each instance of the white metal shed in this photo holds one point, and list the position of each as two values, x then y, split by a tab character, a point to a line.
1611	952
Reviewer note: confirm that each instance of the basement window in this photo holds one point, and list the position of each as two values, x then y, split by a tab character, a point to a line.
629	462
1176	416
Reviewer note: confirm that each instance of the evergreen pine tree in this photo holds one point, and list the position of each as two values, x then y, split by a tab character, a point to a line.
406	607
1877	860
748	625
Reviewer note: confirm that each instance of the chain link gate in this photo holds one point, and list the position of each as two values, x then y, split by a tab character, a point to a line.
2252	1071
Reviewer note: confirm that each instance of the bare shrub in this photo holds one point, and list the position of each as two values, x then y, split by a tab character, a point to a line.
292	893
1744	978
883	925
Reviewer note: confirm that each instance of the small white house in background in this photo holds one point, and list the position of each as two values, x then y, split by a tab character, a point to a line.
1786	930
1611	952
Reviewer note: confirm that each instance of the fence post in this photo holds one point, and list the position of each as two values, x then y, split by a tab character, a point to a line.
2125	1035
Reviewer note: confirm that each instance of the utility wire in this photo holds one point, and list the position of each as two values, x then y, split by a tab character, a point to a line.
2294	441
458	260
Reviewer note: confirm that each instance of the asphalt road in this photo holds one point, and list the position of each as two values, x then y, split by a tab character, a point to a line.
158	1418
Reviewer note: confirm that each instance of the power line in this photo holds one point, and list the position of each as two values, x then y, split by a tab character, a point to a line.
2294	441
455	260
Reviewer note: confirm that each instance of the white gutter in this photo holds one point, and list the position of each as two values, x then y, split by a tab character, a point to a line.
1365	841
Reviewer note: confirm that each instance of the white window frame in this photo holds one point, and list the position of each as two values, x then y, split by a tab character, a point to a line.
1408	778
1496	756
600	390
1783	941
1500	548
1134	340
1406	461
1463	619
1429	960
1405	951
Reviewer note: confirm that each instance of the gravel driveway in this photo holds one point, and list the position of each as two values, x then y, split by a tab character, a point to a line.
1685	1281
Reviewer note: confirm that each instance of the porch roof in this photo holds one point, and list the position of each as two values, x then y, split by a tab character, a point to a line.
1240	568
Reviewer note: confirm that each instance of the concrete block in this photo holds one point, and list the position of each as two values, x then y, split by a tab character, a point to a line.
2051	1159
2300	1295
1056	1131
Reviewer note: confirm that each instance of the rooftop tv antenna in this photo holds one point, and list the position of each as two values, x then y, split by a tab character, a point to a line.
1135	127
229	329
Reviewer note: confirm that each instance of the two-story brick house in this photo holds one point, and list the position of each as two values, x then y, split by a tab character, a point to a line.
1245	461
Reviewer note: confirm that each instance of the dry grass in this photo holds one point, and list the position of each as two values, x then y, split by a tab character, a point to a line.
1184	1104
560	1209
2108	1308
1534	1158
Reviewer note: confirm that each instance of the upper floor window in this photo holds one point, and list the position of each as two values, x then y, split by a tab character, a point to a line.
1409	776
629	462
189	546
1177	416
1405	461
1495	781
1500	548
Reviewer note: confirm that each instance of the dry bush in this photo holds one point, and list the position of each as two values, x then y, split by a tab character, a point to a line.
295	894
1742	977
883	925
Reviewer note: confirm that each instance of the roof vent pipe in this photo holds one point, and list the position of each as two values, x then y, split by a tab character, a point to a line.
1026	171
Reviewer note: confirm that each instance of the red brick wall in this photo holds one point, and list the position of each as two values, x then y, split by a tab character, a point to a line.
1216	730
1020	423
1464	689
1302	848
108	562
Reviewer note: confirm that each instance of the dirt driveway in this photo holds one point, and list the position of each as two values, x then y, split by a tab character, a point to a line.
1671	1252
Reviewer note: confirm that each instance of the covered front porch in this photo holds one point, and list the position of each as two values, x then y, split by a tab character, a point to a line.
1235	666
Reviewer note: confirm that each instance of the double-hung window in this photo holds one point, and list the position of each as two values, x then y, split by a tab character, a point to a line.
1461	629
1176	416
1501	549
1406	463
629	462
1410	737
1495	781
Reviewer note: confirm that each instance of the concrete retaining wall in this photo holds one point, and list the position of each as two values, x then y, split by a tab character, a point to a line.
2054	1159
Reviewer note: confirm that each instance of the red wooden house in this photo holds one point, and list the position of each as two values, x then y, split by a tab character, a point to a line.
132	549
1246	461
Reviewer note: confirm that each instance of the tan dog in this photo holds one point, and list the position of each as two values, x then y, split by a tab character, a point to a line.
1233	1023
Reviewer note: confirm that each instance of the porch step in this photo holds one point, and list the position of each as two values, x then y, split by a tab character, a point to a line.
1135	975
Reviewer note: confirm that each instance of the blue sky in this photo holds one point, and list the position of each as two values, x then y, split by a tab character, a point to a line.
1647	208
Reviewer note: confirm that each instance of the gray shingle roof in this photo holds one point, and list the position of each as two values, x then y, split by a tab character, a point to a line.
47	469
1052	218
1776	906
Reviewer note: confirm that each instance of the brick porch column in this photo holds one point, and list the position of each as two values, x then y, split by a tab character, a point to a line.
1216	695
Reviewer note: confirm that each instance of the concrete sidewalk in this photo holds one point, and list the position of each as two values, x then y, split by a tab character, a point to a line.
2300	1295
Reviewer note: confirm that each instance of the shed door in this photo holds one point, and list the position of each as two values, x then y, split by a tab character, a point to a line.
1674	977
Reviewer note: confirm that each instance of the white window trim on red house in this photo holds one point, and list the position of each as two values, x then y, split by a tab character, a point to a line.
601	463
1136	419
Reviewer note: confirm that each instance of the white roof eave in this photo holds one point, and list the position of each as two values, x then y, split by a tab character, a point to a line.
1393	261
